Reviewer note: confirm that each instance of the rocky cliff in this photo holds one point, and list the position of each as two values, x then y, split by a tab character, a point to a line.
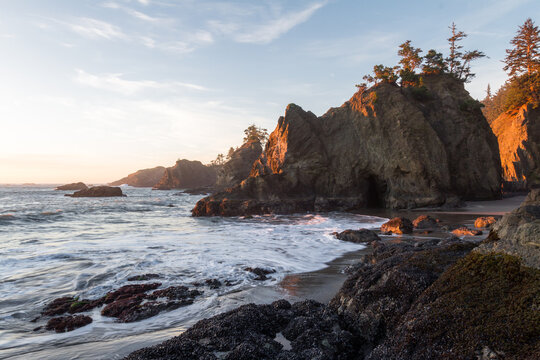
239	165
518	134
142	178
385	147
517	233
187	174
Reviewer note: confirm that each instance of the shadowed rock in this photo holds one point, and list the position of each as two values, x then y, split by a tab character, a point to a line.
142	178
239	165
425	222
358	236
98	191
260	272
517	232
186	174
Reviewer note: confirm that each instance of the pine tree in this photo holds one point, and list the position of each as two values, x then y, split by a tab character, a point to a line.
488	92
434	63
524	58
255	133
454	59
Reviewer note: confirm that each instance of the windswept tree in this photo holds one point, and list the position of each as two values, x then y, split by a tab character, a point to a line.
464	72
255	133
454	58
434	63
524	58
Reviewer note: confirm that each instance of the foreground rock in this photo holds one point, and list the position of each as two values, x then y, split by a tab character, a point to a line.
142	178
385	147
129	303
425	222
98	191
239	165
518	134
397	225
187	174
518	232
73	186
358	236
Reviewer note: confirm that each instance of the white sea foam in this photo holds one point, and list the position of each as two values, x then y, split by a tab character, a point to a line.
87	247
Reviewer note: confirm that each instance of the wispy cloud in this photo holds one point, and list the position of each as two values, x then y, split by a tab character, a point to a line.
117	83
137	14
267	30
95	29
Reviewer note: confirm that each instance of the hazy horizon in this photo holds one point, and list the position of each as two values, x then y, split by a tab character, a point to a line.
93	91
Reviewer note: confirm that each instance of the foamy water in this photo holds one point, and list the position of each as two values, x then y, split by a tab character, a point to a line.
53	246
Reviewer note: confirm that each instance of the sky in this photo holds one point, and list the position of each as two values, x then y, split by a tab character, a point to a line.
94	90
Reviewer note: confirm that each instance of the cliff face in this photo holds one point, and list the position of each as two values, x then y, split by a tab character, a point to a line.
385	147
142	178
187	174
239	166
518	134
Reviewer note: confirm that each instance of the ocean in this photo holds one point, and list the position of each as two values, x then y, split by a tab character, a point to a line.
53	246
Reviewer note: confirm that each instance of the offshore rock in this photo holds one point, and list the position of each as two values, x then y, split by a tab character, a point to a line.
68	323
98	191
187	174
385	147
142	178
518	134
73	186
239	165
425	222
465	231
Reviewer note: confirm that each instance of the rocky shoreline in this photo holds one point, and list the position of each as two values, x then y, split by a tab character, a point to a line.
413	297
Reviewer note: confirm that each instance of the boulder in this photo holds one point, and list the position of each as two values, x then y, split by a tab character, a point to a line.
518	135
397	225
385	147
484	221
186	174
142	178
465	231
238	167
425	222
517	232
358	236
73	186
98	191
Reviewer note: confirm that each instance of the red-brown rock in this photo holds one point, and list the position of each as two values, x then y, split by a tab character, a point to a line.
68	323
425	222
484	221
465	231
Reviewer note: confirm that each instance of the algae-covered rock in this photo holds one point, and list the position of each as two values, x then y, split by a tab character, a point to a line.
484	300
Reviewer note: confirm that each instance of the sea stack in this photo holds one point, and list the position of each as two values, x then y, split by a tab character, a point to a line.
387	146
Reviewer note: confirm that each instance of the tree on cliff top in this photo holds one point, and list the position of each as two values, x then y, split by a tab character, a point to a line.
523	60
410	61
255	133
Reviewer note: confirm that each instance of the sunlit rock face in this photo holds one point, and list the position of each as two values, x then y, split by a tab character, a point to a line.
518	134
239	165
142	178
385	147
187	174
